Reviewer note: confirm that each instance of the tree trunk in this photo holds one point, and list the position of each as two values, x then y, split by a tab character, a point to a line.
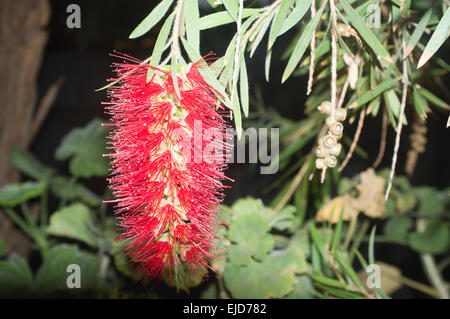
23	37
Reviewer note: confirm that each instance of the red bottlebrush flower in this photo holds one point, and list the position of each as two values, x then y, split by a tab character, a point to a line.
166	167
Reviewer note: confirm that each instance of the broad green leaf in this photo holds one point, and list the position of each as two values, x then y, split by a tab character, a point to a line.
437	39
434	240
86	147
15	276
63	187
396	229
296	15
250	235
417	34
159	45
303	288
75	222
272	278
192	23
152	19
220	18
243	81
14	194
302	44
278	22
365	33
26	163
432	203
52	275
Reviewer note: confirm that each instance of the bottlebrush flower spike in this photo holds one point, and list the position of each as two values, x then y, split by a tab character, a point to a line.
167	167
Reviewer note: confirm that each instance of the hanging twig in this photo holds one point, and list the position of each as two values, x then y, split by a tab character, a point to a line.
384	126
313	52
349	155
400	122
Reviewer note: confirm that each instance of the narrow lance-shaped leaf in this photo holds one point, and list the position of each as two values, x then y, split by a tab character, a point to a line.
365	32
261	32
220	18
244	86
208	74
437	39
159	45
369	95
296	15
153	18
192	23
232	8
278	22
417	34
302	44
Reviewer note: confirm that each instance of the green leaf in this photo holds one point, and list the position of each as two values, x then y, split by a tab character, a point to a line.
52	275
208	75
64	188
232	7
303	288
434	240
302	44
158	49
369	95
14	194
273	278
396	229
296	15
437	39
243	81
75	222
365	33
152	19
86	147
431	202
26	163
417	34
15	276
261	32
372	245
250	233
278	22
393	105
192	23
220	18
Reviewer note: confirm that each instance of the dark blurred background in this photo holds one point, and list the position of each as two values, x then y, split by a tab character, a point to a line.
81	57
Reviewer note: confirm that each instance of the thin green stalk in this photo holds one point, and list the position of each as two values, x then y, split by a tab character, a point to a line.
358	239
43	213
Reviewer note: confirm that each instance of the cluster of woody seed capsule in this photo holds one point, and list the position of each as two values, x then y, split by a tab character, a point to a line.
329	148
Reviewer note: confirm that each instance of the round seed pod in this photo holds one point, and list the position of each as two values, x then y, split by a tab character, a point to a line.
330	121
320	163
340	114
324	107
321	151
329	140
337	129
330	161
336	149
